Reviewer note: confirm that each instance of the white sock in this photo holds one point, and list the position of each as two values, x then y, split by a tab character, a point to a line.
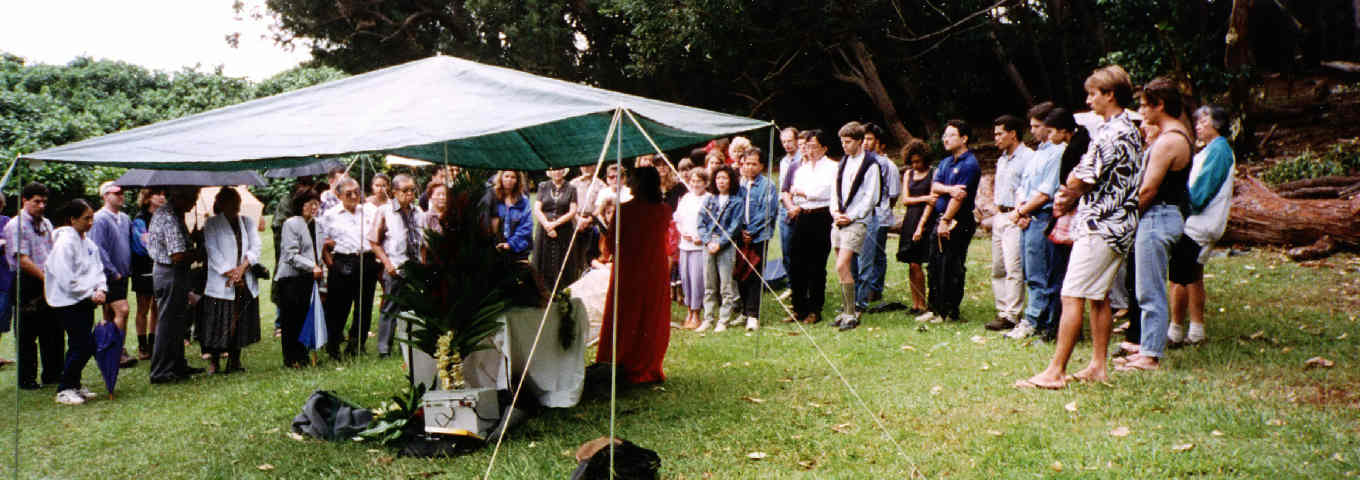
1196	332
1175	333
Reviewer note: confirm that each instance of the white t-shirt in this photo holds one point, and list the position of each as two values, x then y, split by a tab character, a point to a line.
687	218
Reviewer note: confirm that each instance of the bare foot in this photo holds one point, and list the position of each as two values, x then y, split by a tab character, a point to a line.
1139	363
1091	374
1046	382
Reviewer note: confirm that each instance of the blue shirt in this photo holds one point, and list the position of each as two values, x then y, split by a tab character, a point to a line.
959	170
1218	161
758	208
517	225
112	232
721	222
139	226
1041	174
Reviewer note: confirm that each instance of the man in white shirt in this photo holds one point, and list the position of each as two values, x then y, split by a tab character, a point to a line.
395	239
1008	276
808	200
856	197
353	267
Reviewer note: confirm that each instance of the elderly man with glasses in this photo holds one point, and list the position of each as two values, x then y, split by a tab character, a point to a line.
353	267
395	240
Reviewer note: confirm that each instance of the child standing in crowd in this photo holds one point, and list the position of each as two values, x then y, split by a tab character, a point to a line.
719	225
692	256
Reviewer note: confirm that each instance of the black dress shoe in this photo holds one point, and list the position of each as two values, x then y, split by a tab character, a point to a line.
30	385
1000	323
189	372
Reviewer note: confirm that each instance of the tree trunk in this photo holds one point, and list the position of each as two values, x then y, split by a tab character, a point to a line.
1237	58
1011	71
1259	216
928	121
864	74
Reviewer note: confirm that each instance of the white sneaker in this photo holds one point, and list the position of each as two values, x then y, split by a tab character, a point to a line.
752	324
70	397
704	326
927	317
85	393
1175	333
1196	334
738	321
720	327
1023	330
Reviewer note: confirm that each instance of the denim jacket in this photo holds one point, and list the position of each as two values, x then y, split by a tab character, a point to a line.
761	201
727	216
517	225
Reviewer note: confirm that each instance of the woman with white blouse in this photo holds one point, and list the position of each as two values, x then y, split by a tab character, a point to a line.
230	316
692	256
74	285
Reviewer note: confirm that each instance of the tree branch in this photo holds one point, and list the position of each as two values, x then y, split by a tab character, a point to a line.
949	30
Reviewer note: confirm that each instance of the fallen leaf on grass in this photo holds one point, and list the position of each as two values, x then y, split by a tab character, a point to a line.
807	464
273	430
1258	334
265	467
383	460
1275	422
978	339
935	390
296	436
1184	447
1342	336
1216	433
1317	362
985	367
1056	466
1337	456
994	433
908	347
755	400
755	455
1071	407
1120	432
843	428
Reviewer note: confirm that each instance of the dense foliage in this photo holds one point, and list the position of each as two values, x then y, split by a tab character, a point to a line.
901	62
42	106
1343	158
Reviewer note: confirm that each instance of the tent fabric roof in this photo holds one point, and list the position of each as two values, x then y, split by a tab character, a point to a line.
441	109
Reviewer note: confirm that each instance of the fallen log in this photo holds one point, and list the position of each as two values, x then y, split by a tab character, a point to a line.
1333	181
1312	192
1260	216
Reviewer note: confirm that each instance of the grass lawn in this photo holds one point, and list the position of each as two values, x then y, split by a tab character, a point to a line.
1243	403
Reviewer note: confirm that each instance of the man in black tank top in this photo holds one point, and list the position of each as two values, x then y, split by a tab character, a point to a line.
1161	199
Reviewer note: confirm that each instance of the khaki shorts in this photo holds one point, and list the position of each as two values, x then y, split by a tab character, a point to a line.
850	236
1091	270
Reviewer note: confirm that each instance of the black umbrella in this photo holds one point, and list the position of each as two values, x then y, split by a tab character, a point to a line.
189	178
319	168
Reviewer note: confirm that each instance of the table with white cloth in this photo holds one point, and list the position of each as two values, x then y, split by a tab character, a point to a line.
555	377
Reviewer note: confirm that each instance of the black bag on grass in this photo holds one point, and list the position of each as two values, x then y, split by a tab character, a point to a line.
329	417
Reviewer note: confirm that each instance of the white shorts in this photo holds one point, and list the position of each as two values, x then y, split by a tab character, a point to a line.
850	236
1092	269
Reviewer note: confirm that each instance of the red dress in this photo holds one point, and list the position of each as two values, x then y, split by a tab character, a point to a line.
644	306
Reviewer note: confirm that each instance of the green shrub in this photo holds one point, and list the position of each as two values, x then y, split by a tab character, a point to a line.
1343	158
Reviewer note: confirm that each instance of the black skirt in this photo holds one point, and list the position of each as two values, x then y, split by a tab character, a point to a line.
225	325
909	251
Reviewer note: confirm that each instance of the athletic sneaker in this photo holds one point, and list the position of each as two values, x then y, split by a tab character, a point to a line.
1196	334
70	397
1023	330
1175	333
720	327
929	316
85	393
704	326
737	321
752	324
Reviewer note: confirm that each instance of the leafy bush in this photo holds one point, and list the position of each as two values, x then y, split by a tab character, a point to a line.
1343	158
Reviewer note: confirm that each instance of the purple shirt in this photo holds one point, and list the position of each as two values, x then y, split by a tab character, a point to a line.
6	273
112	232
36	241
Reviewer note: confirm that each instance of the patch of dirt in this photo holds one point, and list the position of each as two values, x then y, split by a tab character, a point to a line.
1346	395
1302	117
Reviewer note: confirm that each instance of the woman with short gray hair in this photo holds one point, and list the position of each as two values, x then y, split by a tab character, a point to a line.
1211	186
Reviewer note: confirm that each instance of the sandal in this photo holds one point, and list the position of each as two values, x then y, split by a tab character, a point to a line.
1138	364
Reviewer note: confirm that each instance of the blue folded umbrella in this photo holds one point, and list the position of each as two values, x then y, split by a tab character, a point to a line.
108	343
314	327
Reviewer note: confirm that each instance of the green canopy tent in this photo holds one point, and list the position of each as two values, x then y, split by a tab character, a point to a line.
441	109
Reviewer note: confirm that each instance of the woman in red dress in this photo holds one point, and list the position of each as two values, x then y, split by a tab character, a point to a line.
643	304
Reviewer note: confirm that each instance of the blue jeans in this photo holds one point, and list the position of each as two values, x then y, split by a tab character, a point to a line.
1040	256
1158	229
871	263
785	241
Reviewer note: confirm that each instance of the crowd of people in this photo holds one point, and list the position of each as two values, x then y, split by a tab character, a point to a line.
1104	215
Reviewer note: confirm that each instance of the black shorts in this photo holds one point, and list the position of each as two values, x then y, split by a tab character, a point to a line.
117	289
1185	268
141	276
